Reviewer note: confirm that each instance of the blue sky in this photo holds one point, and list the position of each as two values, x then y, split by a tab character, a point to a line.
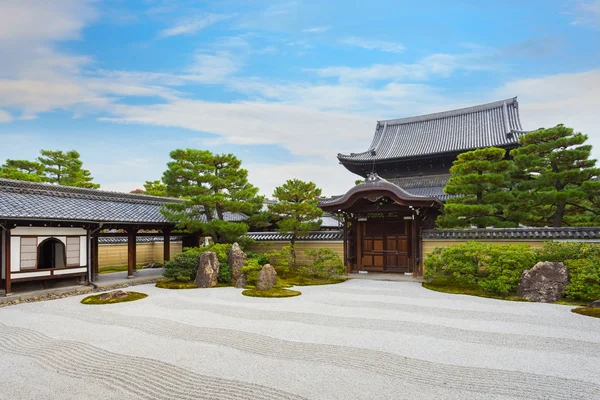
284	85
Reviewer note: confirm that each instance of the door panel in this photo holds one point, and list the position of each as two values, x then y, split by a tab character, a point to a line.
385	246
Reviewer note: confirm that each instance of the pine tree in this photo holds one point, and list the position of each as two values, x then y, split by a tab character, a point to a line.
211	185
23	170
297	207
556	175
65	168
155	188
479	181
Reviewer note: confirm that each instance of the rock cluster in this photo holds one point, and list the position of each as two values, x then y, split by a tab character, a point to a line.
115	294
266	278
208	270
236	260
545	282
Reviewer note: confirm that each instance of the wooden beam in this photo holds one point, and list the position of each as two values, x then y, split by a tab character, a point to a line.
359	244
346	245
131	253
166	245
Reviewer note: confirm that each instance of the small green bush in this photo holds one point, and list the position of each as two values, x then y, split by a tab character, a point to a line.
281	260
184	265
323	263
251	269
225	274
261	258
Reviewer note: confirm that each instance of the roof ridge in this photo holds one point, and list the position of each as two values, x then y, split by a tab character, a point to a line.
451	113
72	191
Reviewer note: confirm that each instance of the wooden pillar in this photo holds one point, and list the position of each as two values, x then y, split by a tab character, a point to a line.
414	242
6	244
95	265
166	245
131	253
345	235
359	243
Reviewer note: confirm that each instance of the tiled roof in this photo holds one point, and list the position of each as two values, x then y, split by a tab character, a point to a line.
29	200
138	239
430	186
492	124
312	236
329	221
579	233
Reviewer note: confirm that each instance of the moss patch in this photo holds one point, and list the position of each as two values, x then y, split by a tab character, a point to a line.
131	296
589	311
173	284
275	292
290	280
456	286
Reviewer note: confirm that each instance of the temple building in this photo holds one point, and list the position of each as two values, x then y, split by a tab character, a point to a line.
406	168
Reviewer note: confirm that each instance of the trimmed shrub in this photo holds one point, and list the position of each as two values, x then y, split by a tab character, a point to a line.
281	260
495	268
323	263
498	268
184	265
261	258
583	262
225	273
251	269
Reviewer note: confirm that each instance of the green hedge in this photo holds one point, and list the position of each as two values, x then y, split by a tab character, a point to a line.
497	268
184	265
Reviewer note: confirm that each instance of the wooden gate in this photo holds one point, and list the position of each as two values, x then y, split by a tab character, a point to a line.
385	246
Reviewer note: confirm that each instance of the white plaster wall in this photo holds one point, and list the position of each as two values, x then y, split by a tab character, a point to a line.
63	239
46	231
15	254
83	250
70	271
32	274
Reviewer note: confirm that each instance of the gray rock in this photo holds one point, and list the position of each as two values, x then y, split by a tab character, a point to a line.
236	260
594	304
241	282
115	294
266	278
208	270
545	282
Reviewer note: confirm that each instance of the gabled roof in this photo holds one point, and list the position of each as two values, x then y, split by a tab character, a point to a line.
375	185
492	124
42	201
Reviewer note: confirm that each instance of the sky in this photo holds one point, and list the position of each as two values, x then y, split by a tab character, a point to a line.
283	85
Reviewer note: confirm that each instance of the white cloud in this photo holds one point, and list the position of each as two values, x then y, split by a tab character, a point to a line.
570	99
316	29
586	13
5	116
370	44
191	25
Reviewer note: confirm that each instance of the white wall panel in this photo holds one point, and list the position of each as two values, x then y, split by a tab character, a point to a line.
30	274
83	250
15	254
70	271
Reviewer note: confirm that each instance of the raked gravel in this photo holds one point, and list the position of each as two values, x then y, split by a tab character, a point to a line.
356	340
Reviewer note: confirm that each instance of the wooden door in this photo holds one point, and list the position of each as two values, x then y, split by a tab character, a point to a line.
386	247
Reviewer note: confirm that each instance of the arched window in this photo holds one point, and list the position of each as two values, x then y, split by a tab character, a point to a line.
51	254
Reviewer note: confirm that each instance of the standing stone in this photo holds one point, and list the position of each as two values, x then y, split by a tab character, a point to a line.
594	304
241	282
208	270
545	282
266	278
236	260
